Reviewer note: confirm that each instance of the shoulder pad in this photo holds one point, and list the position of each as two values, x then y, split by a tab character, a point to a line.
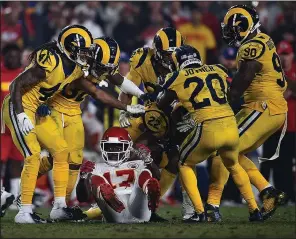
138	56
47	59
223	68
251	50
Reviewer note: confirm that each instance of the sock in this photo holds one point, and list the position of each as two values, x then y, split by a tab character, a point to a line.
15	186
240	177
60	173
73	174
46	164
190	184
219	177
27	208
93	213
60	202
254	174
166	180
29	178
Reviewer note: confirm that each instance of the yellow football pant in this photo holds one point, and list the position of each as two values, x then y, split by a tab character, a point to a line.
208	137
73	133
46	135
254	128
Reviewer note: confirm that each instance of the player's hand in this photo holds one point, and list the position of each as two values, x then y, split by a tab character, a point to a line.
87	167
144	153
124	119
145	97
135	109
24	123
43	110
186	124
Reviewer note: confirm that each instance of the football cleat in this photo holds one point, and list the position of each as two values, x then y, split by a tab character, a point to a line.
65	214
153	191
156	218
28	218
196	218
212	213
271	199
256	216
108	194
6	200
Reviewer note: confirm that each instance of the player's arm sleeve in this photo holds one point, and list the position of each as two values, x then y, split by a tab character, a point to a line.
252	50
47	60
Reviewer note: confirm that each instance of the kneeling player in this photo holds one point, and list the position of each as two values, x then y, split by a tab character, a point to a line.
122	186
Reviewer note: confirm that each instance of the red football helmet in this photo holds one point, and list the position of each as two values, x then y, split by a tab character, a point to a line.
116	145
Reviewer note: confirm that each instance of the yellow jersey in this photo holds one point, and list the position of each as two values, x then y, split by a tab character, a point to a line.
68	102
269	84
56	78
202	91
143	71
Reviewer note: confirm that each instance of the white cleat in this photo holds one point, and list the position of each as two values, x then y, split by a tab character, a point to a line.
28	218
6	200
62	213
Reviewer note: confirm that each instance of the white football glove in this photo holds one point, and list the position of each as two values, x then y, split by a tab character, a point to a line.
24	123
124	119
186	124
135	109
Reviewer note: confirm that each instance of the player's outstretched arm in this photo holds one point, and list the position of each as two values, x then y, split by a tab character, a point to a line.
243	78
25	80
98	94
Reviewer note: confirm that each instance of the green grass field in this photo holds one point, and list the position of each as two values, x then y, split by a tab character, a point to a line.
235	224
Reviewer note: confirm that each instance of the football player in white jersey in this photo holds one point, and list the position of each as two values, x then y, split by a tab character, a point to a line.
123	186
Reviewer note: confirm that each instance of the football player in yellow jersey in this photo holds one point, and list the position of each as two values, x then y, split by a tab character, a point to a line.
261	82
146	66
52	66
65	105
201	89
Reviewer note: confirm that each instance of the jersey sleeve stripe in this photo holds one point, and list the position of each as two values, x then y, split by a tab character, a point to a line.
143	57
222	68
170	81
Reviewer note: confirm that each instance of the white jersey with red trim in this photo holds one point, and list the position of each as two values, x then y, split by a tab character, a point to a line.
123	177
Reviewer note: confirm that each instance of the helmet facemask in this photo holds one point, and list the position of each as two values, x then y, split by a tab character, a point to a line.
115	151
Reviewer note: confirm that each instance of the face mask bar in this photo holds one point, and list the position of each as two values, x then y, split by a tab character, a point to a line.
119	155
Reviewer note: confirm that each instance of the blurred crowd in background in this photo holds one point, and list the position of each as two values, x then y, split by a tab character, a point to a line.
26	25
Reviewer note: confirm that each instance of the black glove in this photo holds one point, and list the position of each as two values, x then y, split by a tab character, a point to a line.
43	110
145	97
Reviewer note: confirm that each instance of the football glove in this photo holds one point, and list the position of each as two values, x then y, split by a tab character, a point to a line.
86	167
135	109
144	153
43	110
24	123
146	96
124	119
186	124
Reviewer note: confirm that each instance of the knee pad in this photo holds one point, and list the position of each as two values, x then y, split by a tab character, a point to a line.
75	159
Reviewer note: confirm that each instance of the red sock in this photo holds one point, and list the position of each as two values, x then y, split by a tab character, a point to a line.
143	177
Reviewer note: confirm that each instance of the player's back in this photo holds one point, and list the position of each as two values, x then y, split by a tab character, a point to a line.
269	84
143	71
123	177
202	91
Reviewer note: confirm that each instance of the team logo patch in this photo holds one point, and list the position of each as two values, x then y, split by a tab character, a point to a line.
132	165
